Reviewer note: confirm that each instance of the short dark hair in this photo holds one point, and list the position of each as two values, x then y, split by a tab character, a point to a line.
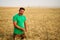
21	8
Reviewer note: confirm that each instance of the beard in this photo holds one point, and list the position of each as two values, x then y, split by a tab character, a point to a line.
20	13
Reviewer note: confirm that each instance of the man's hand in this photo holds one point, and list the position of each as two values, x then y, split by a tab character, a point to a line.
26	30
22	29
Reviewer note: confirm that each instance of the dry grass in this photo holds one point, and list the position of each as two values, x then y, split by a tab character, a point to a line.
42	23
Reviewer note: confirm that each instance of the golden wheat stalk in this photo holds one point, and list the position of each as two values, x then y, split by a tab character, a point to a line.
26	35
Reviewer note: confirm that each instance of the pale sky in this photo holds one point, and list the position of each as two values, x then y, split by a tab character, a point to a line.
30	3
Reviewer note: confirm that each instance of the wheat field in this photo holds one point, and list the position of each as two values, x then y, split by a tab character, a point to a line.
42	23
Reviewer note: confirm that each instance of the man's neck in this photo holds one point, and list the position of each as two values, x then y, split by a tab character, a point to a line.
20	14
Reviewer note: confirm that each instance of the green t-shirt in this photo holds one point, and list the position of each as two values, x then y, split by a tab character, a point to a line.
19	19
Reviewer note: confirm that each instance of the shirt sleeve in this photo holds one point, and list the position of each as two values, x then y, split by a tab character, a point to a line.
14	19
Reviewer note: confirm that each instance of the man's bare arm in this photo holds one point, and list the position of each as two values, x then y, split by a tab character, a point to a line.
25	25
15	24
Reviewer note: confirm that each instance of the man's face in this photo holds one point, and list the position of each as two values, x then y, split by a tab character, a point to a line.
21	11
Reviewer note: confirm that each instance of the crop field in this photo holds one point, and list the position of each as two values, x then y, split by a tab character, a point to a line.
42	23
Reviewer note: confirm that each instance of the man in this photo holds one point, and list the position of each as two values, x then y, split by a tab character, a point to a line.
19	22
